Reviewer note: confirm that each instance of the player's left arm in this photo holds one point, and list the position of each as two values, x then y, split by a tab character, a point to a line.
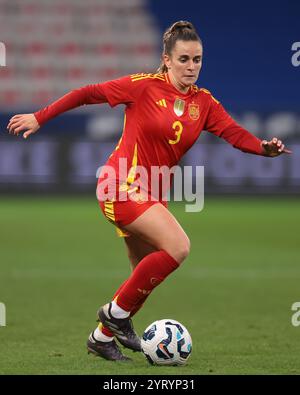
274	147
220	123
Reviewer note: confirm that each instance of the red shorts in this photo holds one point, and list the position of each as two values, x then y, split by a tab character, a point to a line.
122	206
124	212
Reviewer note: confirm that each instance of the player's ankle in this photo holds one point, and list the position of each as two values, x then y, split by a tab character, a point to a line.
118	312
101	337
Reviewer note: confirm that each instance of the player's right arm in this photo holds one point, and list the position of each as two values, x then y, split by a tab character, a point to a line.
90	94
21	122
114	92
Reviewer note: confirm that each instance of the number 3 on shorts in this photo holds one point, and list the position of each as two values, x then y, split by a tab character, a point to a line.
177	126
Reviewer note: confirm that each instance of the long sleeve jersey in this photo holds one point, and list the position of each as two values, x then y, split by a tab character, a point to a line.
160	123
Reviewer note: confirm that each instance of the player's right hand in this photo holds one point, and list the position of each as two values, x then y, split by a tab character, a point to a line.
26	123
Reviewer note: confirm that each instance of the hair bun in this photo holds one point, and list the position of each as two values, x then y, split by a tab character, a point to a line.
181	25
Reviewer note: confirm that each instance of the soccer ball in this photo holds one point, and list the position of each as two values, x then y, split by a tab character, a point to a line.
166	342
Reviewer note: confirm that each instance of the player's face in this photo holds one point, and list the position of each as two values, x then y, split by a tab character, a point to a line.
185	62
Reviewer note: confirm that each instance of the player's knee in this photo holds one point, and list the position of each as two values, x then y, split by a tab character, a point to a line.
185	250
182	250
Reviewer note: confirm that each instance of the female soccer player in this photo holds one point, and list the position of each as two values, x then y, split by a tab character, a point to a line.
165	114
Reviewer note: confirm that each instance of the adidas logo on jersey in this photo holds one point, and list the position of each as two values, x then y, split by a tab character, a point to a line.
161	103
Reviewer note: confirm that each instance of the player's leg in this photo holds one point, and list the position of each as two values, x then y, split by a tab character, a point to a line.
136	249
158	228
101	341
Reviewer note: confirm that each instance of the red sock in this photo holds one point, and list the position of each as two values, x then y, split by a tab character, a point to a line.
149	273
106	331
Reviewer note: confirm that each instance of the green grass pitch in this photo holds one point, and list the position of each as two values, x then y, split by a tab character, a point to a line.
60	260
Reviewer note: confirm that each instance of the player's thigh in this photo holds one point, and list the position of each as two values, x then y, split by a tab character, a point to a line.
158	227
137	249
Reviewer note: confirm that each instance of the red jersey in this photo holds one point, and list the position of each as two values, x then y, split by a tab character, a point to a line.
160	124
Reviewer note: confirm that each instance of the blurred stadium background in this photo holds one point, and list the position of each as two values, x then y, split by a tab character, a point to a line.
54	272
55	46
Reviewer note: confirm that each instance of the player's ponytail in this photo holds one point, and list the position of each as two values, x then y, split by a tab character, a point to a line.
181	30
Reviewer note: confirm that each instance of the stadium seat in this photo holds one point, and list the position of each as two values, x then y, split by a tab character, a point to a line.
72	43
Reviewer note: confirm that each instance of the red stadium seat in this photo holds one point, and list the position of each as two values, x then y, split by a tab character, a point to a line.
55	45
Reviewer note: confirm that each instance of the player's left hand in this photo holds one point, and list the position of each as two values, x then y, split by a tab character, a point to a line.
274	147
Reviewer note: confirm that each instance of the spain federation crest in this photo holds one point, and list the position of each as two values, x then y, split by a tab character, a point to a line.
194	111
